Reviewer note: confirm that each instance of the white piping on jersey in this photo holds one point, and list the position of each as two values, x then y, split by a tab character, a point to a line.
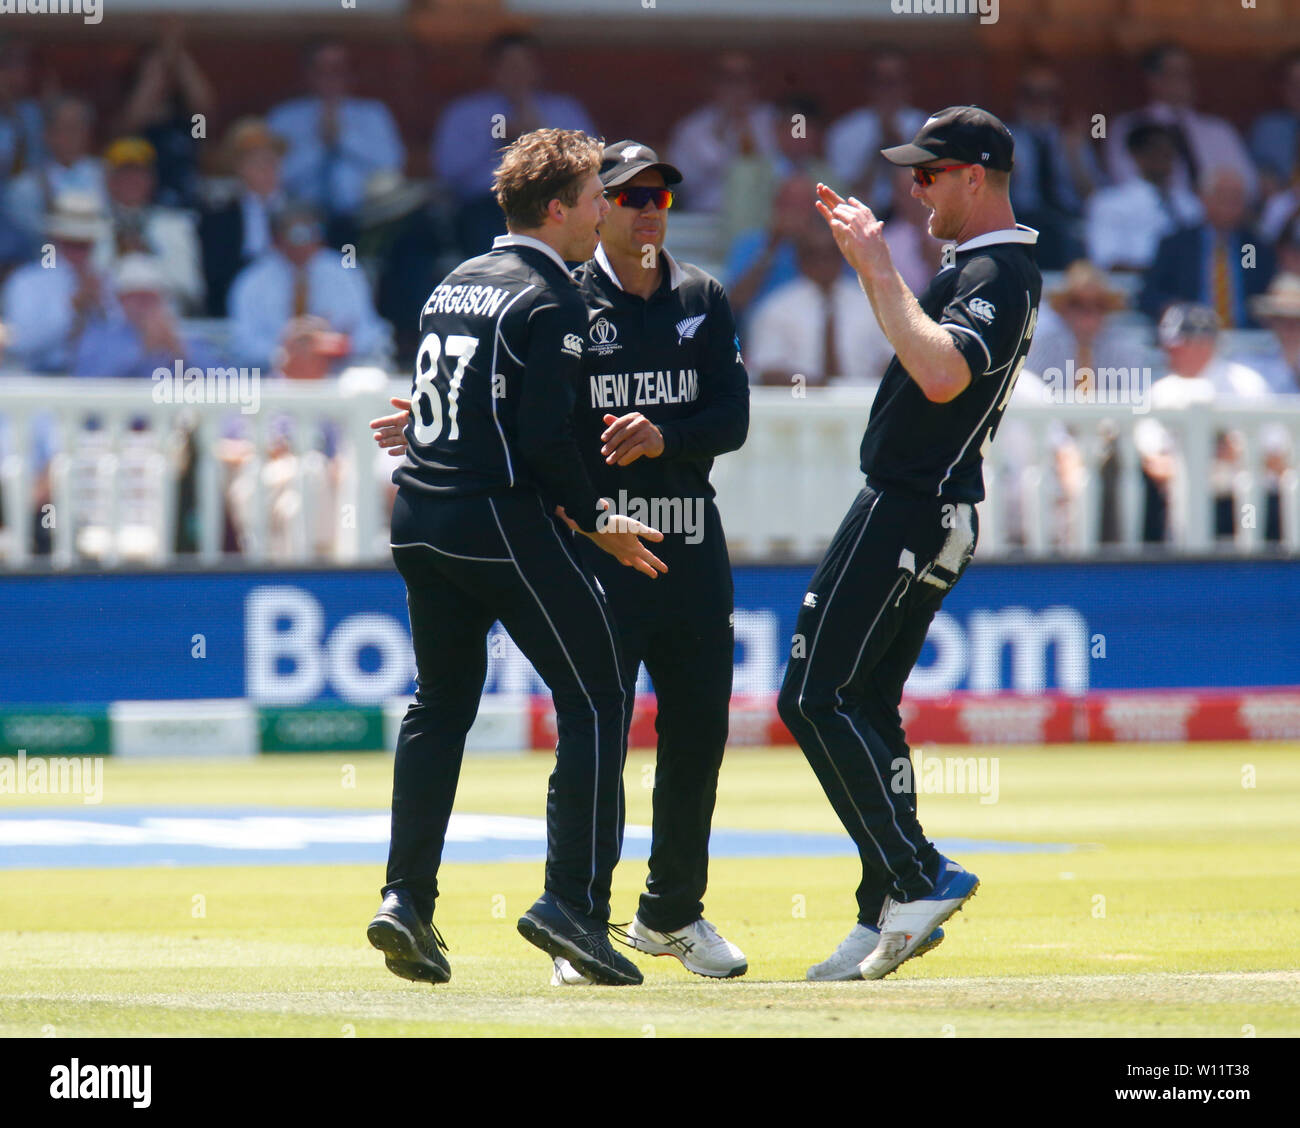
674	271
506	345
453	555
496	338
1029	311
905	580
504	242
803	689
988	359
623	726
1018	234
595	714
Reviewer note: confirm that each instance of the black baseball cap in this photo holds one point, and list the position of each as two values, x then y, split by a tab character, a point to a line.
624	159
960	133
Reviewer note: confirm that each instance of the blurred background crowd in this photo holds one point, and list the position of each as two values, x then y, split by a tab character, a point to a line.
156	228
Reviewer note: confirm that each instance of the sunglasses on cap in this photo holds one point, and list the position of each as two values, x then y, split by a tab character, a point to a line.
927	176
639	196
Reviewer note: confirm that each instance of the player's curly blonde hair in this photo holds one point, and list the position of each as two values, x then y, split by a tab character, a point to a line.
545	165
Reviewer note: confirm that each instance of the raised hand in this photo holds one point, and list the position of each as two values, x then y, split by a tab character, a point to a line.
858	233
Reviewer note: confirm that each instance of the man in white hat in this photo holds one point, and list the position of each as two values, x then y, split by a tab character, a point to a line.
68	165
146	336
47	304
1278	310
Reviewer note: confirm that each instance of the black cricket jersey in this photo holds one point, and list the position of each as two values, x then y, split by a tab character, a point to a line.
675	358
495	381
988	303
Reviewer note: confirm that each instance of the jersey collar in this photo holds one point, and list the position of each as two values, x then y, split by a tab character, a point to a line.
502	242
674	271
1018	234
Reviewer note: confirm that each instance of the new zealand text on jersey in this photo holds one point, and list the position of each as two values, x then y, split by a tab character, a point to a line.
483	301
611	389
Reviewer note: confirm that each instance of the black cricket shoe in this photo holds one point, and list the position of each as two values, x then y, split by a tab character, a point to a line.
409	945
560	930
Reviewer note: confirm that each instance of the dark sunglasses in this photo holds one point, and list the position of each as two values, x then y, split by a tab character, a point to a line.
927	176
640	196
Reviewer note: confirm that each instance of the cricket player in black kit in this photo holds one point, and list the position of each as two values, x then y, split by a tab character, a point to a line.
911	532
663	390
490	455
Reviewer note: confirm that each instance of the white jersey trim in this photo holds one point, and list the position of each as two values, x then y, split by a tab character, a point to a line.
504	242
602	261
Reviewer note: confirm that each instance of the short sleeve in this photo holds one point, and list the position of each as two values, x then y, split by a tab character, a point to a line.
986	317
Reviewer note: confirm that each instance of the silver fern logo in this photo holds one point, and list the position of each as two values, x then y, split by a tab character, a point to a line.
689	326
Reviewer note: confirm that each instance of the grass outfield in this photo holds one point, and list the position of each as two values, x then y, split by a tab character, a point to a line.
1200	878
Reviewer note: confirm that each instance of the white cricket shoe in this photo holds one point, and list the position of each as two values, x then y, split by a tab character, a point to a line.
698	946
845	962
564	974
904	925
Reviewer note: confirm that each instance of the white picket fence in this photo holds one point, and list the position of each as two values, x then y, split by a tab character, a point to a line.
113	497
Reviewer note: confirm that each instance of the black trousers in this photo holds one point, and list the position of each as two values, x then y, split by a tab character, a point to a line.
680	625
859	633
468	563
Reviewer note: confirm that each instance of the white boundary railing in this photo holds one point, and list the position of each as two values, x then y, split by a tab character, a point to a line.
781	496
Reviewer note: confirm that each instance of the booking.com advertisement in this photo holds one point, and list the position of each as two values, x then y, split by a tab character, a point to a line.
288	639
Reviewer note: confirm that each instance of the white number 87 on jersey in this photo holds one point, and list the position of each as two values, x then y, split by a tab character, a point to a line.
426	399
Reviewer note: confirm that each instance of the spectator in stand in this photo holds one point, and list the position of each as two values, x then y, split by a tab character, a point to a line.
139	227
147	335
336	142
1278	310
22	142
817	326
1197	374
298	487
1202	142
1076	328
753	180
22	128
1220	262
764	258
49	303
297	276
403	250
235	229
1281	209
735	124
916	253
1275	136
1286	250
1076	335
1126	222
66	167
1055	170
475	128
167	89
854	141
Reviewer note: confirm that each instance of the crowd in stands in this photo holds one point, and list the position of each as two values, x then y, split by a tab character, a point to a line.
300	244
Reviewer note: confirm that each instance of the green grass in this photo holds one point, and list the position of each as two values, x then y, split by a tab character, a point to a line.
1200	878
